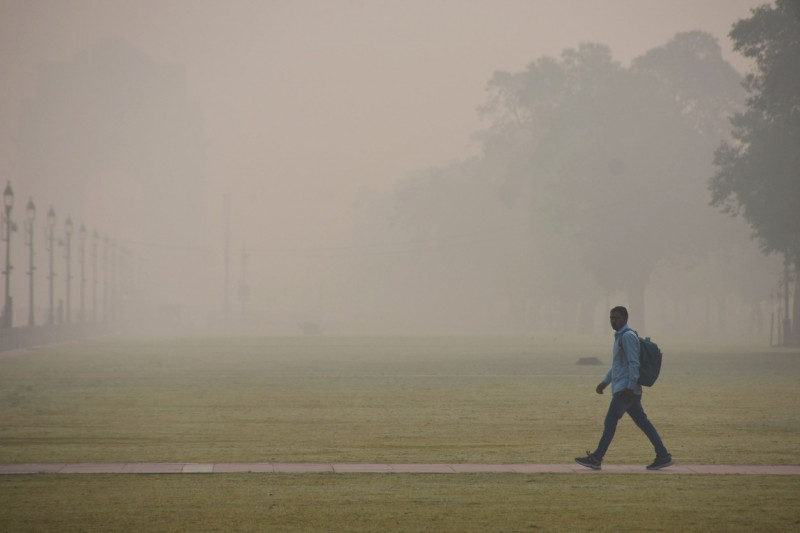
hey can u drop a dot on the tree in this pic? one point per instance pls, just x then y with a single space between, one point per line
592 177
758 171
616 152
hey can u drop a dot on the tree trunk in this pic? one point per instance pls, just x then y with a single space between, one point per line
756 323
794 337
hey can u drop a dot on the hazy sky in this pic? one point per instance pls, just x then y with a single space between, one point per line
304 102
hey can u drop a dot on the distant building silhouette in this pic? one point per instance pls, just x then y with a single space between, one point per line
111 137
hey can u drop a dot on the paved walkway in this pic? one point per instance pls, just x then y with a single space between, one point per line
417 468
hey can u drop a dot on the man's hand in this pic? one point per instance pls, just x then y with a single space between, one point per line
628 395
601 387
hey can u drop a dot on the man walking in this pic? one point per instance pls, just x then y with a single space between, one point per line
626 395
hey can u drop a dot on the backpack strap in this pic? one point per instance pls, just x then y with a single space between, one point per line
620 337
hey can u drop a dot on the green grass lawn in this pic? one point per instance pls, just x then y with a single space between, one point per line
398 502
430 400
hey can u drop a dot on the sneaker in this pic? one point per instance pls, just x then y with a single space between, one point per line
660 462
590 461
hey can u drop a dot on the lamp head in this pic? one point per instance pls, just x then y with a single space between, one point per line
30 210
8 197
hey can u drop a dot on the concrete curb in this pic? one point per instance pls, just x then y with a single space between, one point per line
377 468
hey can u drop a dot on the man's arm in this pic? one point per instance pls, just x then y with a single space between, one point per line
603 384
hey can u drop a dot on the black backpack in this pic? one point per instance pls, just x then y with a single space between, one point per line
649 360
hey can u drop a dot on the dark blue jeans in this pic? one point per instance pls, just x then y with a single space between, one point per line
616 409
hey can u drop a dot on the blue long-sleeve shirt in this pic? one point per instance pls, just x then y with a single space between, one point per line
624 373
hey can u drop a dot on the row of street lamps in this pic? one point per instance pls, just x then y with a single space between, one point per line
50 240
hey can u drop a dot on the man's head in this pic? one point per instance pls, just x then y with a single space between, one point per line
619 317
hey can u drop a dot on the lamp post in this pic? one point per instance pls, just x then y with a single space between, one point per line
30 214
787 322
105 279
95 238
8 201
244 290
50 234
68 257
82 236
114 281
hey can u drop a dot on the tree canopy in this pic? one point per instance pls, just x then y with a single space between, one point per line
758 171
615 158
591 183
